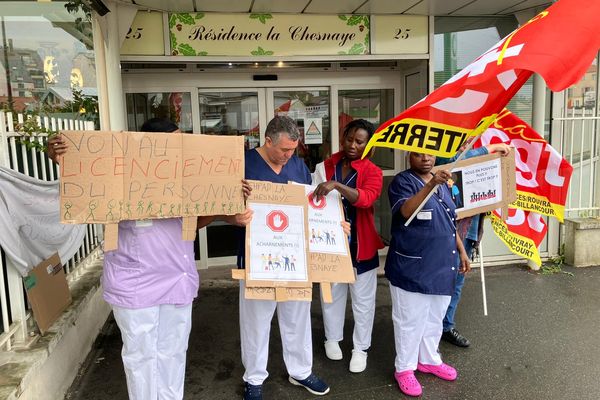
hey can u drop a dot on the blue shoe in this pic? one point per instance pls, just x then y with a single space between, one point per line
252 392
313 384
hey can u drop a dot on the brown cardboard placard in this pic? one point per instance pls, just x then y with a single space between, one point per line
281 231
238 273
189 228
279 294
111 237
47 291
109 176
326 292
505 177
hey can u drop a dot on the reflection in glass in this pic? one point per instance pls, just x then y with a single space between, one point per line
310 110
230 113
175 106
374 105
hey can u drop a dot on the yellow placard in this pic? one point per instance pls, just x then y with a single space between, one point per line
400 34
212 34
145 36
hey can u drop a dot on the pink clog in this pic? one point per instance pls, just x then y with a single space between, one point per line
443 371
408 384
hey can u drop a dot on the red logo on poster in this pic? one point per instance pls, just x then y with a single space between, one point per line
278 221
316 204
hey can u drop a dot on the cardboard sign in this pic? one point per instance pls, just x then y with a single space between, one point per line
107 176
329 250
276 247
482 184
47 291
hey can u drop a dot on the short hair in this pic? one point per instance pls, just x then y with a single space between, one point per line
359 124
159 125
282 124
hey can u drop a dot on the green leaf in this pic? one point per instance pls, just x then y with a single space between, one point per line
367 22
199 16
186 19
268 53
172 20
202 53
357 48
173 41
367 43
342 17
186 50
354 20
254 16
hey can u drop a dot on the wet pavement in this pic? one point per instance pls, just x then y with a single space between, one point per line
540 341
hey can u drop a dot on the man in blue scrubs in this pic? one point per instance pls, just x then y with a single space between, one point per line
276 162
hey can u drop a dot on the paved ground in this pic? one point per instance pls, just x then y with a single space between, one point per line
540 341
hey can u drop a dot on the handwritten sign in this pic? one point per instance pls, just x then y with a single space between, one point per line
400 34
107 177
212 34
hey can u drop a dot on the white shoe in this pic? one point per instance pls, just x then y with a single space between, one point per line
358 363
332 350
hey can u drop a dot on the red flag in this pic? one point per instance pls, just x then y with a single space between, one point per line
542 174
559 44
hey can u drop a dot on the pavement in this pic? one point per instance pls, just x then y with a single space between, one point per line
539 341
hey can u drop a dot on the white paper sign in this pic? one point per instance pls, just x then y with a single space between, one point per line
313 130
476 185
325 233
277 241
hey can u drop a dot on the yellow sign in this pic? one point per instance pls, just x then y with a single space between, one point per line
199 34
520 245
400 34
145 37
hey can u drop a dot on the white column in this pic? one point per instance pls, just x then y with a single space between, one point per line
116 103
100 59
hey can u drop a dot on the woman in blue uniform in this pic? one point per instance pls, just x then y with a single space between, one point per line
421 266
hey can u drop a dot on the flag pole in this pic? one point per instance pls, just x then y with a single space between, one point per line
483 291
452 166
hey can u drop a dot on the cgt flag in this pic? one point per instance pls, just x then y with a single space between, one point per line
559 44
542 174
522 232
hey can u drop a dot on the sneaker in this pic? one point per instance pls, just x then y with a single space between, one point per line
408 384
454 337
358 362
313 384
443 371
252 392
332 350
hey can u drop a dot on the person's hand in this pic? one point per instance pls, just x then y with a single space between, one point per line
57 147
346 227
501 148
324 188
441 176
241 219
246 188
465 263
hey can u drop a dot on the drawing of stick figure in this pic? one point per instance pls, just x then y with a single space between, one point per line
270 262
92 206
293 264
110 205
171 212
128 210
149 208
140 207
67 214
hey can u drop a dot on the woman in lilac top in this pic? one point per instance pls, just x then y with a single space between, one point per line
150 282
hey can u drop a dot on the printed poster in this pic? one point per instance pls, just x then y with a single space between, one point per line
325 233
313 130
477 185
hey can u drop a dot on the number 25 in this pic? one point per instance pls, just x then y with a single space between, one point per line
134 35
402 33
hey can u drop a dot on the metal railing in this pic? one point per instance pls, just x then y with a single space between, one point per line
15 154
580 145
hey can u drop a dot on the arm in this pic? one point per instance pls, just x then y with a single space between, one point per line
465 263
324 188
411 204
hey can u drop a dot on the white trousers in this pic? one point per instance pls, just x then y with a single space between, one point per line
155 341
255 328
417 327
362 293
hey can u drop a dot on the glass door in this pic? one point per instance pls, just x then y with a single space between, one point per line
310 108
228 112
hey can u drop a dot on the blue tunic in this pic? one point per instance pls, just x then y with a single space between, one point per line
422 256
256 168
350 211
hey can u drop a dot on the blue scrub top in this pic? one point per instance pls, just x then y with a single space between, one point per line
350 211
256 168
422 256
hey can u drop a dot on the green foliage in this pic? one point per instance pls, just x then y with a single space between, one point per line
343 17
186 50
555 264
357 48
261 52
355 20
186 19
83 25
261 17
30 130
